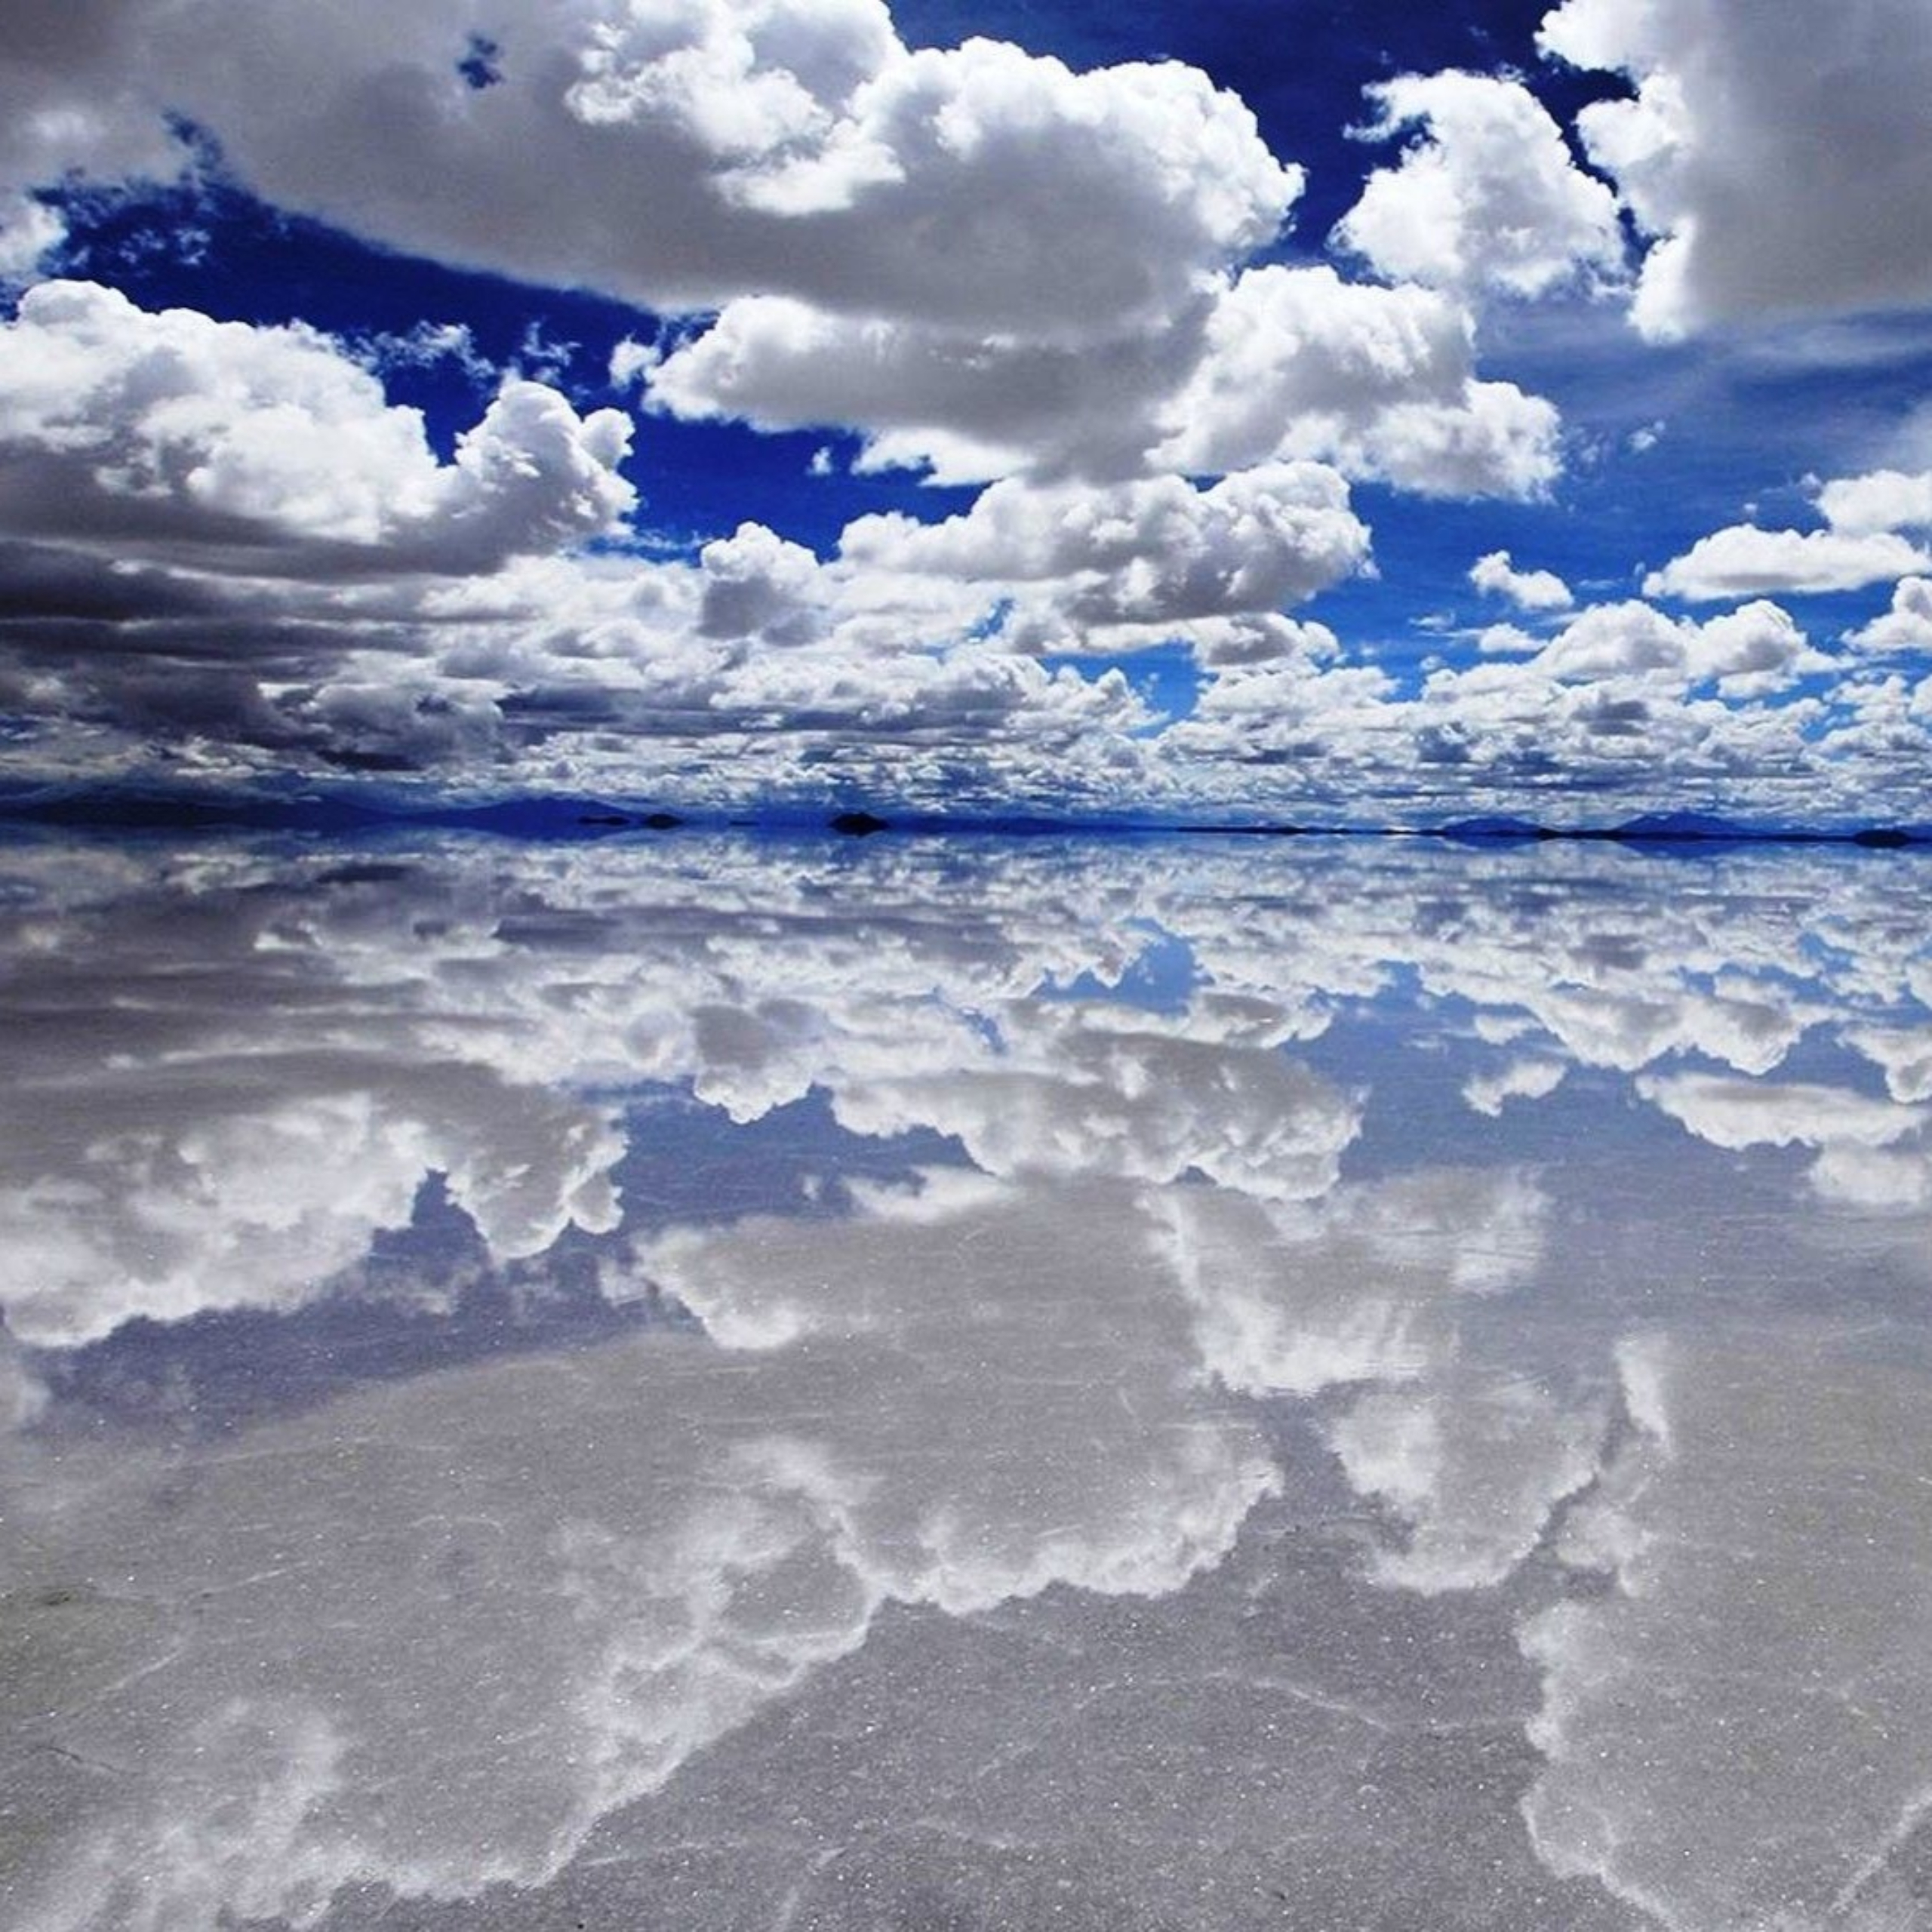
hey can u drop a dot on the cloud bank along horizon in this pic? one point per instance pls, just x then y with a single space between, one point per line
729 400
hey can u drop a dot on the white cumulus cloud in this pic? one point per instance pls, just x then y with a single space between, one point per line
1487 197
1779 169
682 154
182 439
1529 590
1880 501
1907 626
1379 381
1151 553
1743 560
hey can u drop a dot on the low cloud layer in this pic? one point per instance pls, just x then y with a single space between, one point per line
229 534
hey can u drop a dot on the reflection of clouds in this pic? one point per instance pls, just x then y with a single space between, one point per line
1040 1353
1081 1091
1904 1053
1873 1177
480 1611
1475 1465
491 1605
1520 1080
1736 1735
1738 1114
204 1112
235 1834
1858 1164
226 1078
22 1396
1360 1287
1751 1030
1370 1286
183 1198
1617 959
230 1068
757 972
954 1396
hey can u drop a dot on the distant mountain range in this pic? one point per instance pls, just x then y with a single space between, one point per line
134 809
1686 828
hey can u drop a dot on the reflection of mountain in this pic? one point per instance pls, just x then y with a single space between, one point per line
1040 1212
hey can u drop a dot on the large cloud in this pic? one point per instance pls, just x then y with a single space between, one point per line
1489 197
1777 176
681 156
1155 553
1861 544
193 511
1880 500
1744 560
1621 695
980 258
198 509
965 406
1754 649
73 97
1380 382
224 551
1281 363
226 535
267 452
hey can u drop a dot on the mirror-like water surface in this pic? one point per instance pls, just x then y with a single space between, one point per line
705 1383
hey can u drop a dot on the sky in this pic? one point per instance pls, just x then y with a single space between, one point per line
1361 414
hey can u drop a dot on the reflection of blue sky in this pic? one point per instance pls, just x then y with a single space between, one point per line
1159 979
518 1336
688 1165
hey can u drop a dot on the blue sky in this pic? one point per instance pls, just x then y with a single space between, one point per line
1368 414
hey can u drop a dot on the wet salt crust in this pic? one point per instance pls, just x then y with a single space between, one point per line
721 1382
